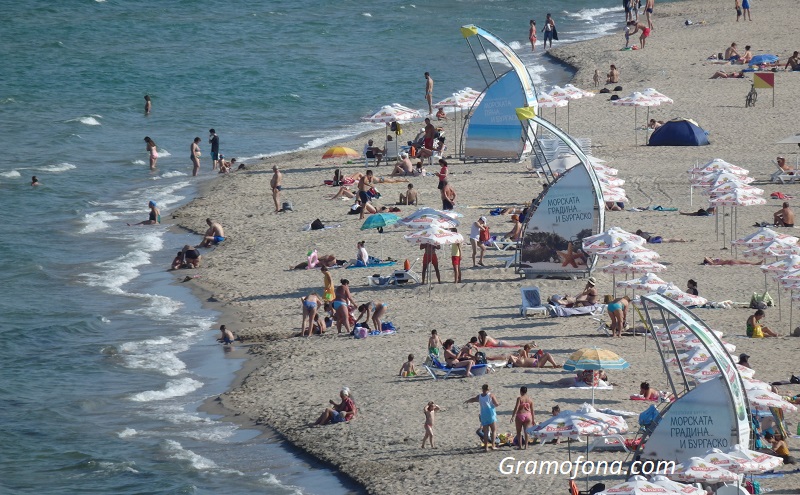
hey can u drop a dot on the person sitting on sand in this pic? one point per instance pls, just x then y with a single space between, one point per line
485 340
655 124
343 192
613 206
177 262
732 53
408 370
721 74
539 359
214 234
451 358
779 447
613 75
784 217
191 257
702 212
155 215
748 55
440 115
375 308
721 262
793 62
754 328
339 413
469 351
648 393
657 239
403 166
691 288
226 336
411 196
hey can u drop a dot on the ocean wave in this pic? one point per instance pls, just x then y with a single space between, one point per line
163 153
6 101
88 120
138 162
61 167
592 14
10 174
218 433
366 14
151 355
158 307
117 467
117 272
196 461
127 433
269 479
173 388
174 173
96 221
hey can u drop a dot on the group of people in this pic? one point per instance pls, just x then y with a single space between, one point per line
337 306
549 30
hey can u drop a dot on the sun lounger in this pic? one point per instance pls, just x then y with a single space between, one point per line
532 302
434 366
782 176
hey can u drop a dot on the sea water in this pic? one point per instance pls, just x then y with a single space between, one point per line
105 355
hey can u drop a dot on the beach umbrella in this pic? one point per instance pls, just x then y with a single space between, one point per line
681 488
696 469
789 263
766 58
733 464
610 238
691 342
585 421
683 298
648 282
763 400
593 358
340 152
614 194
547 101
566 94
652 93
745 372
445 217
714 179
604 169
461 100
637 100
694 357
718 165
628 249
775 248
392 113
379 221
637 485
574 89
609 180
752 383
425 222
766 462
633 265
763 236
729 187
737 197
435 236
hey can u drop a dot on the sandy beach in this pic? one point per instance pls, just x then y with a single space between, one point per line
289 380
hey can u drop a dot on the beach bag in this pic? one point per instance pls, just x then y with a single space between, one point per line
649 416
287 206
761 301
757 333
317 225
484 235
360 332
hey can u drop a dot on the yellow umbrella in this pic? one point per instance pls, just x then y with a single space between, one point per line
341 152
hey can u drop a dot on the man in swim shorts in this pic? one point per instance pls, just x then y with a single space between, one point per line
214 234
430 257
275 184
227 336
429 92
364 185
784 217
638 26
430 134
648 8
214 140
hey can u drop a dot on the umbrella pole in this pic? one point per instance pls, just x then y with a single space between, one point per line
567 116
614 283
635 125
716 223
780 310
634 311
646 127
723 229
791 308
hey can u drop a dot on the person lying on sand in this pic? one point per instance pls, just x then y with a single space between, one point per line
657 239
721 262
344 192
539 359
721 74
486 340
328 260
707 212
588 297
581 379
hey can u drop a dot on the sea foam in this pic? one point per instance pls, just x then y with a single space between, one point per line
196 461
173 388
60 167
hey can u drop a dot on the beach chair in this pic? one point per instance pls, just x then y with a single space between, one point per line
434 366
405 276
503 245
532 302
780 175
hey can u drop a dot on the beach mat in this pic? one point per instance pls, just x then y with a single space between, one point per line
374 265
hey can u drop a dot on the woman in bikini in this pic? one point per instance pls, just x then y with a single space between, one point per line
523 359
451 358
618 311
154 218
523 417
485 340
532 35
377 309
194 155
310 304
340 305
151 148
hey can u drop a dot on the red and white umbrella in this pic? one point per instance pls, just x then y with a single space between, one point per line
611 193
573 88
737 197
714 179
637 100
392 113
718 165
628 249
786 264
633 265
683 298
732 463
547 101
584 421
648 282
612 237
637 485
728 187
674 486
692 342
655 95
763 400
565 93
429 213
765 462
609 180
753 384
745 372
765 235
604 169
425 222
694 357
696 469
776 248
435 236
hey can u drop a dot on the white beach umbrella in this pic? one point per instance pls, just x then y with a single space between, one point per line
775 248
714 179
610 238
583 92
547 101
609 180
613 194
568 94
637 100
694 357
429 213
435 236
676 294
764 235
753 384
732 463
392 113
648 282
425 222
604 169
696 469
737 197
637 485
676 487
633 265
766 462
652 93
585 421
729 187
692 342
763 400
628 249
718 165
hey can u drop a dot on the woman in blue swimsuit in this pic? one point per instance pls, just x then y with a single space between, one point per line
340 305
618 310
310 304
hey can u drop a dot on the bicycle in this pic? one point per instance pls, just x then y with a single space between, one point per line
752 96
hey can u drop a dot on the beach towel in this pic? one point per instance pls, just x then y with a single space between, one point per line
372 265
563 311
589 387
502 346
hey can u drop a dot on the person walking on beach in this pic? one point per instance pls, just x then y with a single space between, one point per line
475 239
148 105
738 10
549 31
275 184
488 416
364 185
532 35
214 234
455 257
429 410
429 92
746 10
214 140
151 148
648 9
194 153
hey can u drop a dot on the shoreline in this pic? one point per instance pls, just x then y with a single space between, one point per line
240 400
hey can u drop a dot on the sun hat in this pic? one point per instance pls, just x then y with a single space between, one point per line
744 357
592 281
482 219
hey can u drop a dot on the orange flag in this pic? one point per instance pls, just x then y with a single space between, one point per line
764 80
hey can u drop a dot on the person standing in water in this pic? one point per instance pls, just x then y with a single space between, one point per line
429 92
213 139
148 105
151 148
532 35
548 30
194 153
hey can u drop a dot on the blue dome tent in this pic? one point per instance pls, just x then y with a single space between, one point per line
679 132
